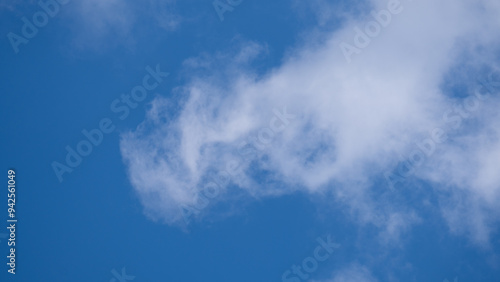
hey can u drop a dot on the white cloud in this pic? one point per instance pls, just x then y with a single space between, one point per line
165 15
95 22
98 24
352 273
352 121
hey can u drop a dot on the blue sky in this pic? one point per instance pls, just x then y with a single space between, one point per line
325 141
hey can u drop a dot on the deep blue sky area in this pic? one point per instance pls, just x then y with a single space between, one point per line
95 223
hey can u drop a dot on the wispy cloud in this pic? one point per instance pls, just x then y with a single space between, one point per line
100 24
354 121
352 273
